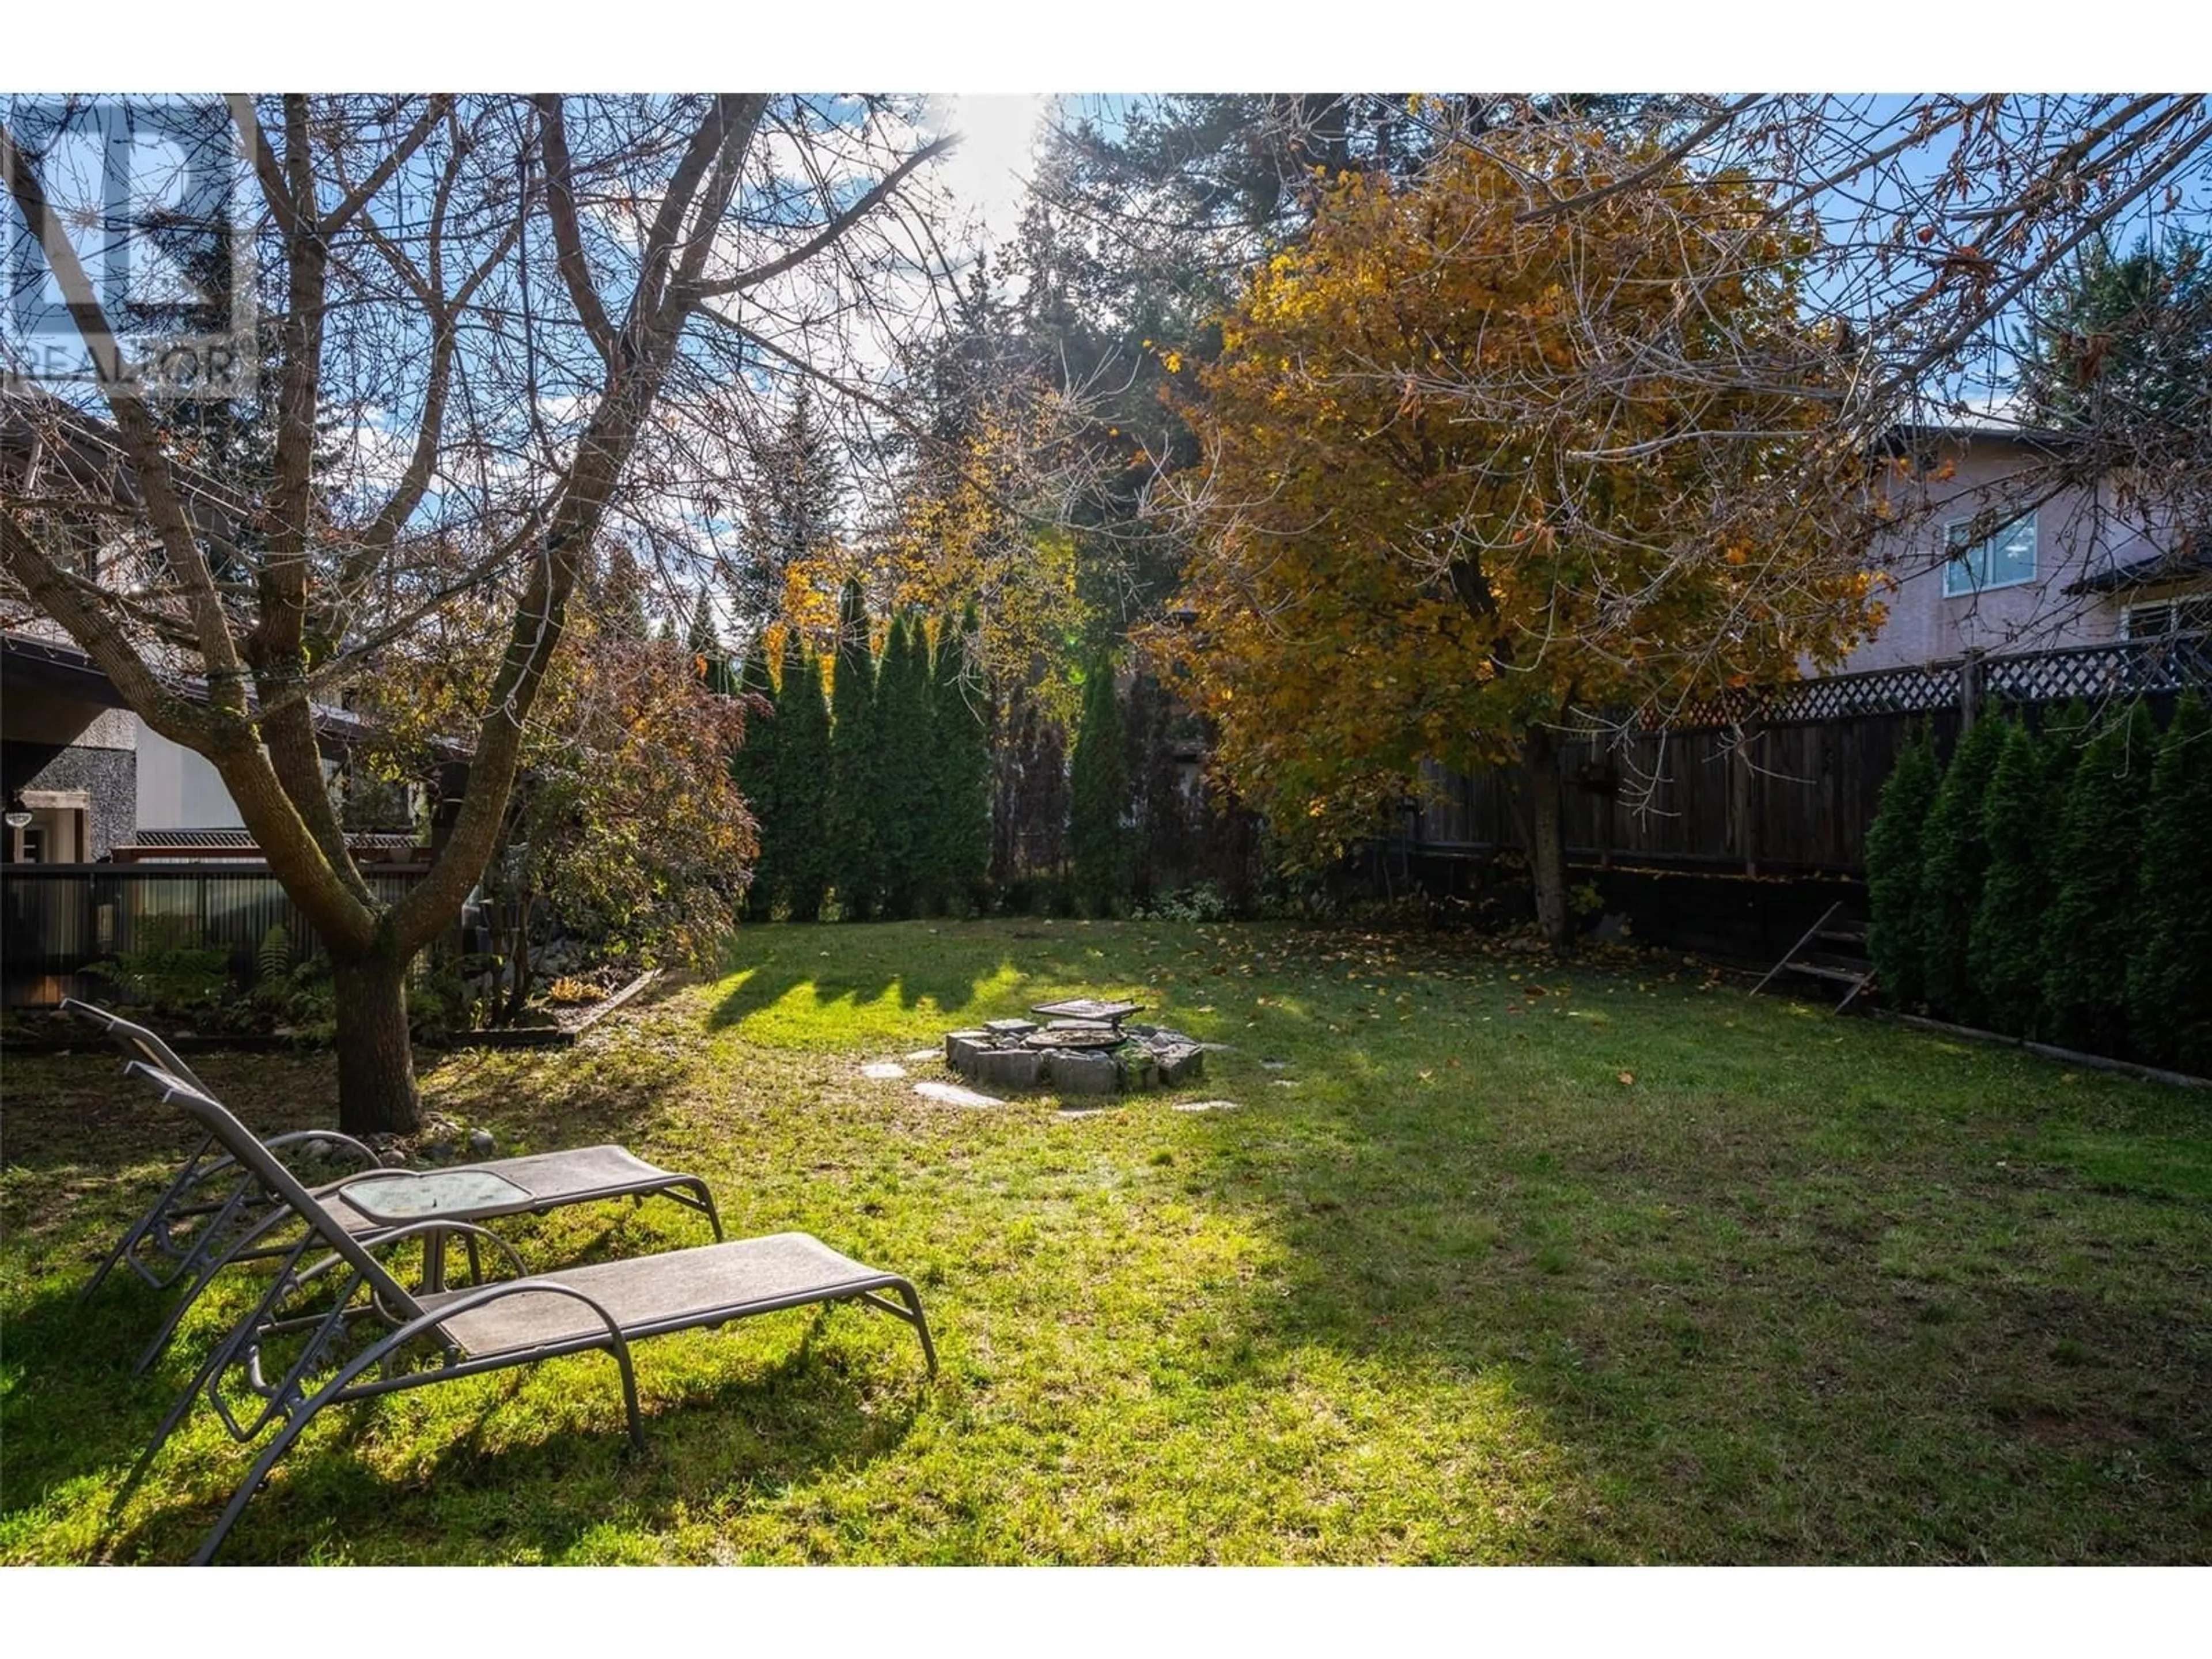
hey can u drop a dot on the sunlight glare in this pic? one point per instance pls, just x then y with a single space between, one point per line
988 173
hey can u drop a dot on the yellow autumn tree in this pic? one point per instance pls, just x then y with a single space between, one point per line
969 532
1543 437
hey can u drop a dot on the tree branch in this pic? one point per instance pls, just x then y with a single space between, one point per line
568 238
831 232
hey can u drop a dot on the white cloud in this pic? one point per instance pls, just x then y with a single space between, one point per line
988 175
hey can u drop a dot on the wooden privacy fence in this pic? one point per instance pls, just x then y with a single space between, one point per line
1784 782
57 920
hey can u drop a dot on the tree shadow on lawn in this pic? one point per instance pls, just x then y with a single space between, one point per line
948 982
948 965
72 1406
491 1481
57 1105
1707 1307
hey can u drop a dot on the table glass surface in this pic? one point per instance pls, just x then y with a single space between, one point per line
437 1191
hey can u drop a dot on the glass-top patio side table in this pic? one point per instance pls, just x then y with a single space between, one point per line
400 1197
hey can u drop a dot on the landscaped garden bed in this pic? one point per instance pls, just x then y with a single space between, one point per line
1472 1258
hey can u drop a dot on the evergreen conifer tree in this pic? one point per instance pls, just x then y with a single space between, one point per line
960 747
702 638
2065 733
903 734
2089 930
802 794
2170 973
1098 788
1892 866
754 769
620 602
1953 856
2005 950
793 504
856 757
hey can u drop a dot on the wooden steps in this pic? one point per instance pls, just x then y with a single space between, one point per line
1834 949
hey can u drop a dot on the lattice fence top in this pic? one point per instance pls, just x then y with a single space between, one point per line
2094 673
2099 673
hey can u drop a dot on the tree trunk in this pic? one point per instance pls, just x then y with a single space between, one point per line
376 1063
1547 834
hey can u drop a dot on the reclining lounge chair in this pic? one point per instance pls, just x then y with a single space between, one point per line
199 1235
601 1307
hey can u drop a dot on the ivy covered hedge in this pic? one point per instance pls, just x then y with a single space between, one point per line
2054 882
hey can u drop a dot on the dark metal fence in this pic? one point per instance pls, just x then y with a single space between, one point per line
57 920
1786 782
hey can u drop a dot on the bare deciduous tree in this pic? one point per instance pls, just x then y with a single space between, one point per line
500 330
1937 229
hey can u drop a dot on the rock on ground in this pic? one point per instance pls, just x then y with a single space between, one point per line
951 1094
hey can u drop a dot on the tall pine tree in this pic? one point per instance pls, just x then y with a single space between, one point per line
1892 867
2170 974
959 846
855 759
1953 857
903 736
1098 786
701 637
802 794
795 497
754 767
2004 952
2089 930
620 602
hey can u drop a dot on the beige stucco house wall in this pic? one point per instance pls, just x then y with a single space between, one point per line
1939 609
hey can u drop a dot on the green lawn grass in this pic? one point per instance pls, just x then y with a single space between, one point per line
1492 1261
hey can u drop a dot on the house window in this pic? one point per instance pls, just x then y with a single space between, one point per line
2191 614
2004 560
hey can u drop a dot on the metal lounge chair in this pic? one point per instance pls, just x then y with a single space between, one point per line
165 1244
215 1212
601 1307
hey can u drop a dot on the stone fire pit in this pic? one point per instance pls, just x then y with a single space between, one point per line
1085 1047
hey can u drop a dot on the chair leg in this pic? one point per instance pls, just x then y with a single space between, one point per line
170 1424
218 1357
175 1317
636 1418
707 1204
259 1472
115 1258
200 1265
911 1312
180 1184
909 1294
